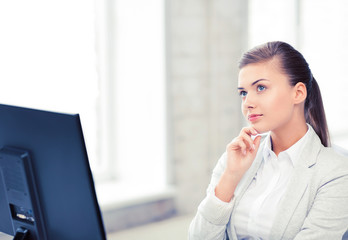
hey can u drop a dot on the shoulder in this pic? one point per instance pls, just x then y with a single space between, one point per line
331 164
331 158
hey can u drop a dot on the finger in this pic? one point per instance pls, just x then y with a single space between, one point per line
243 147
256 143
249 130
237 145
247 140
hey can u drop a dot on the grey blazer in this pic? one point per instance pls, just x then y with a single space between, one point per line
314 206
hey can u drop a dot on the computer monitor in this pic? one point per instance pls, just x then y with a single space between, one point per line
46 185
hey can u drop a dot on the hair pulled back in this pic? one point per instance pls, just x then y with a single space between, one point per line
295 66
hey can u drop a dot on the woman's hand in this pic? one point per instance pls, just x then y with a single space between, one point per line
241 153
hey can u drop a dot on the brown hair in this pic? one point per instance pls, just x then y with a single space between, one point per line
295 66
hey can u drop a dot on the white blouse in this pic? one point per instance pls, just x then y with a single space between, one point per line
256 210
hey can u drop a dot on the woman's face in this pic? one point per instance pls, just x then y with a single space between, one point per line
267 96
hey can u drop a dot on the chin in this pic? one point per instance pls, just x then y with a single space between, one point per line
261 129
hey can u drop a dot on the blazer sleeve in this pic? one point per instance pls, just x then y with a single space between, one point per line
328 216
213 214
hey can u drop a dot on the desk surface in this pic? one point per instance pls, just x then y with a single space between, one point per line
172 229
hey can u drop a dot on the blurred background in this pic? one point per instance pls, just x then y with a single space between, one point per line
155 83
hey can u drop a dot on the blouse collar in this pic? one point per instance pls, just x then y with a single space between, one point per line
293 152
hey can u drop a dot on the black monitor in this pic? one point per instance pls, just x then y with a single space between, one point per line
46 185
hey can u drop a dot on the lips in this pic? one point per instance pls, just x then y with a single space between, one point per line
254 117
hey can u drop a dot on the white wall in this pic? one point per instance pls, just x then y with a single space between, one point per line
204 42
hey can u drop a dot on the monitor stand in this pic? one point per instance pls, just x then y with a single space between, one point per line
21 234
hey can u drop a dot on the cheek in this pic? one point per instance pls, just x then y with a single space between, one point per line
280 106
283 101
244 109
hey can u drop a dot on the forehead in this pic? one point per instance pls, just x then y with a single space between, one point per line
269 70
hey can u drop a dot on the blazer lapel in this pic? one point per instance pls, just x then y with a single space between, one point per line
292 197
297 186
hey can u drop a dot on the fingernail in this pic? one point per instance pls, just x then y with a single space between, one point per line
244 152
254 147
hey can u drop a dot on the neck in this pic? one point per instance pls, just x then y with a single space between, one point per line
287 136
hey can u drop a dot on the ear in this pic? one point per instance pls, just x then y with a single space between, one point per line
300 92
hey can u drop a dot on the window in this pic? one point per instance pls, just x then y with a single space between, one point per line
102 59
272 20
132 79
324 37
47 58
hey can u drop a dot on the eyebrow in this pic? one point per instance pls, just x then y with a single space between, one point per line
259 80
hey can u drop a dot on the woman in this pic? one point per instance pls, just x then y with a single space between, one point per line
286 183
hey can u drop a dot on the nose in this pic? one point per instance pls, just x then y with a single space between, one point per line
249 102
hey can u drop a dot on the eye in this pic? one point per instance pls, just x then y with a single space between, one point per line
260 88
242 93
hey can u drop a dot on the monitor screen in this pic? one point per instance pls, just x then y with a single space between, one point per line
46 185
